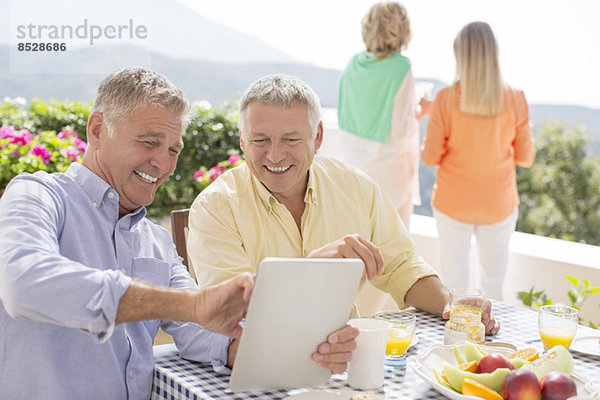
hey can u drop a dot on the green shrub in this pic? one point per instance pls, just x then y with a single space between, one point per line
559 193
41 116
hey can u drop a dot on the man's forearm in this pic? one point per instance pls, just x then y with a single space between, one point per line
428 294
144 301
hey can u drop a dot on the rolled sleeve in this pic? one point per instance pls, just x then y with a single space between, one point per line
105 303
402 266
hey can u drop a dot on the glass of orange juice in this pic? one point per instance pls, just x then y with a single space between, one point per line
400 335
557 324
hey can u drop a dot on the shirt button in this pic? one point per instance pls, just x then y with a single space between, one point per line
123 270
111 195
95 204
131 374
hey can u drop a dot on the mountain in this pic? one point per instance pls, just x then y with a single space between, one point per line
199 79
173 29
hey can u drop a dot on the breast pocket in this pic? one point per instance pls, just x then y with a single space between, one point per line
152 270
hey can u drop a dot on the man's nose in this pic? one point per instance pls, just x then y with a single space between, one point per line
161 161
275 153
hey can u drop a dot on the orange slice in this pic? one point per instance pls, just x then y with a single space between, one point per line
528 354
474 388
470 366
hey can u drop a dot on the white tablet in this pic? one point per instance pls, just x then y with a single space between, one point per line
295 304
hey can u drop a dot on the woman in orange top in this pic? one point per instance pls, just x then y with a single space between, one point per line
478 130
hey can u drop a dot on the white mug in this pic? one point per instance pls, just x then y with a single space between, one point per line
366 369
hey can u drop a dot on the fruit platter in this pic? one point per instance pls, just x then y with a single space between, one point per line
474 372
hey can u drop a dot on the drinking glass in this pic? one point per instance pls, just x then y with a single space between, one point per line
557 324
423 89
400 335
472 298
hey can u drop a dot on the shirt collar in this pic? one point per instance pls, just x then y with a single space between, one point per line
267 198
99 192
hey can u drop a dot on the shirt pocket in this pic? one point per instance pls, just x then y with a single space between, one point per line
152 270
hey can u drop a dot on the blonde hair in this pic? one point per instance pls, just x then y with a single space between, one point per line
386 29
477 70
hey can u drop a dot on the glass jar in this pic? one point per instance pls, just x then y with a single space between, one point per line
464 324
466 307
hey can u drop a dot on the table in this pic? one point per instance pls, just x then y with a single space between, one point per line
176 378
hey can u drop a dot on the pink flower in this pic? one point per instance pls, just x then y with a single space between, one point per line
7 132
233 159
66 134
198 174
16 153
81 145
42 152
71 153
22 137
215 172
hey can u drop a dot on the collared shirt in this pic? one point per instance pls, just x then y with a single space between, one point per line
236 222
66 260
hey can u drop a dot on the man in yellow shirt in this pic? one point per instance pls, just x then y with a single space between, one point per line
285 202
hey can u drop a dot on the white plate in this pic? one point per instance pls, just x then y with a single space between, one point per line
325 395
435 356
586 344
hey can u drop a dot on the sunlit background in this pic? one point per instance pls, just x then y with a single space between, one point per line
549 48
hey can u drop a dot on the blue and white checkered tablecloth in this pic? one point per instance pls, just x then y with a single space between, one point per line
176 378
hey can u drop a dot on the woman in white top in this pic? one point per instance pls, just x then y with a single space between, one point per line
377 108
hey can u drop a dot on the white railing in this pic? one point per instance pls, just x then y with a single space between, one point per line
534 260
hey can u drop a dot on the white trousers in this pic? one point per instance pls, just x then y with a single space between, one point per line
492 245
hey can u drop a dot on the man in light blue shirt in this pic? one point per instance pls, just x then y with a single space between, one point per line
86 279
78 258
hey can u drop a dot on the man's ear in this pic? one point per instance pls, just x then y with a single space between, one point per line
242 144
319 136
95 125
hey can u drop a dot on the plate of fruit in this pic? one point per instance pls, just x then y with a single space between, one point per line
471 371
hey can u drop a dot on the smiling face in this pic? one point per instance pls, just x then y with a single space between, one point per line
279 147
138 157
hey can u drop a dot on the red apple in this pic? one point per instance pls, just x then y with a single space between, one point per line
490 362
557 386
521 384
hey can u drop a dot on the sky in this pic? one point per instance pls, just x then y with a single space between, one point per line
548 48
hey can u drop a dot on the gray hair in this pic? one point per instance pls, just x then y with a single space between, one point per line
125 90
283 90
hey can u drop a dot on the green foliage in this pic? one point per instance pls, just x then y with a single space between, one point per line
60 115
581 291
211 137
41 116
534 299
560 195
